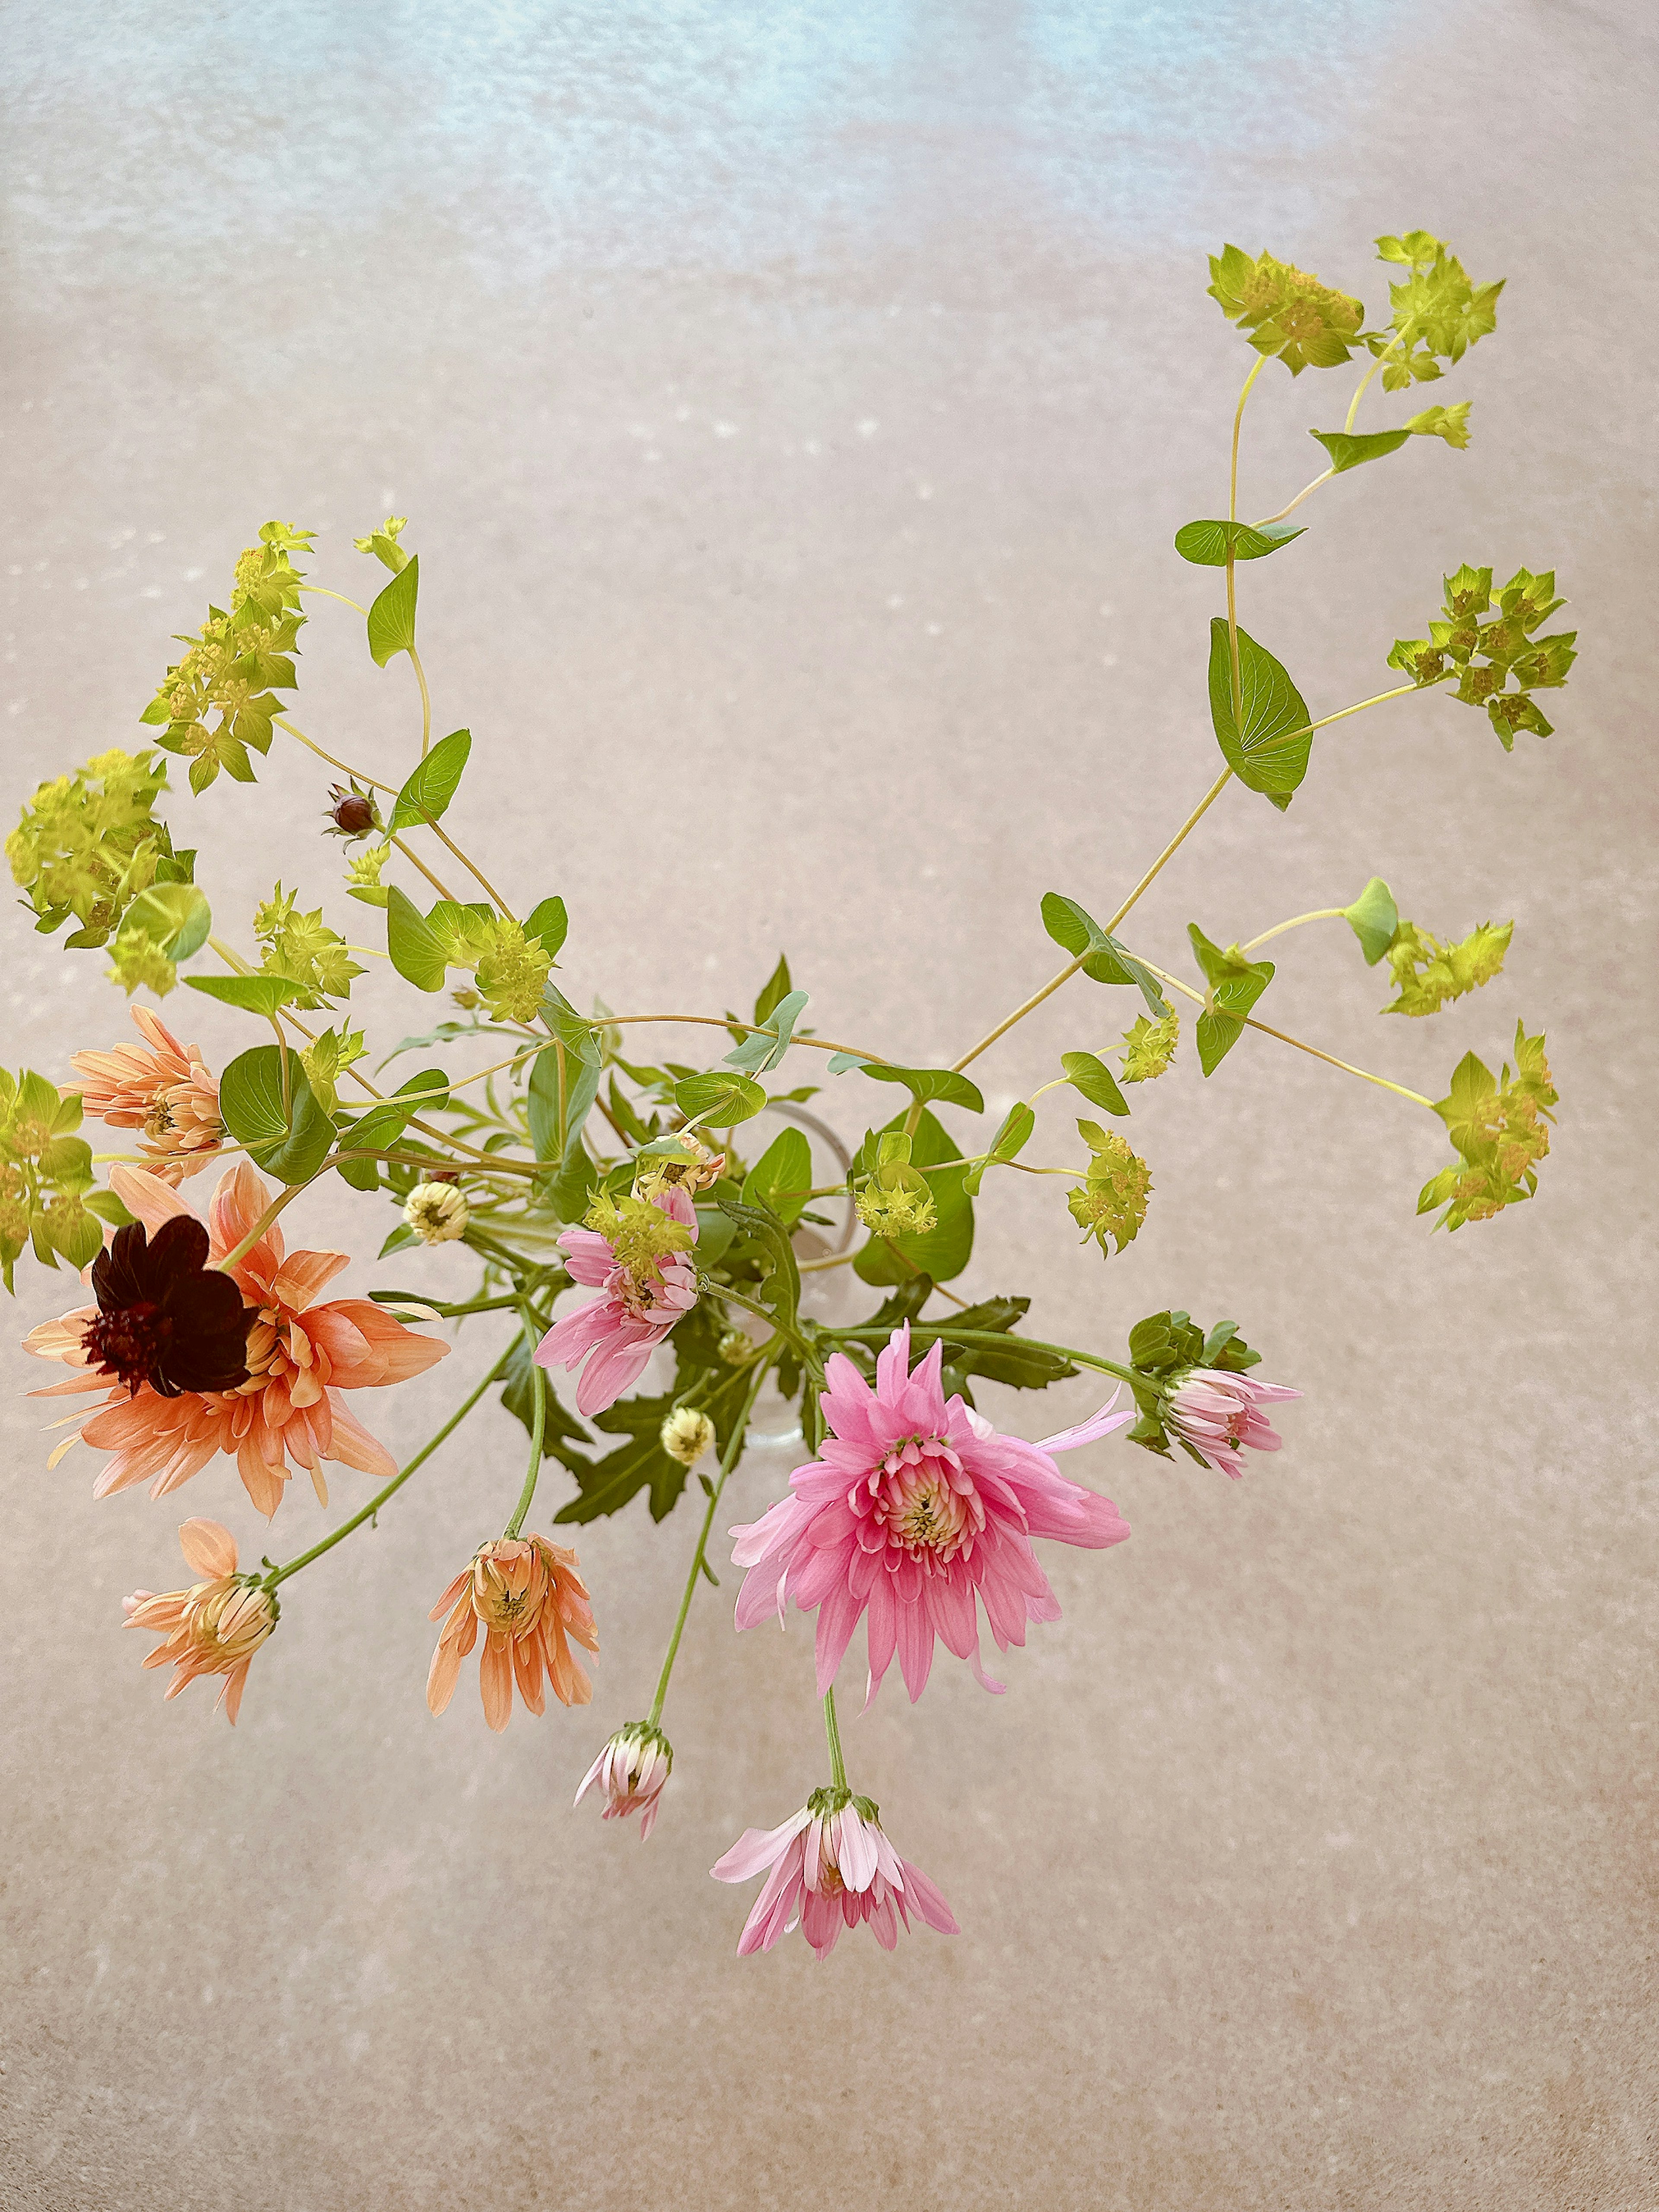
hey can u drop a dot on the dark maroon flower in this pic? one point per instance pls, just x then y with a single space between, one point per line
164 1317
351 813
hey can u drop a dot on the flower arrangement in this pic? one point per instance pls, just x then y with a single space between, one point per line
573 1163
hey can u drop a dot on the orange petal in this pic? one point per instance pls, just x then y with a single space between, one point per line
303 1274
495 1683
146 1195
210 1548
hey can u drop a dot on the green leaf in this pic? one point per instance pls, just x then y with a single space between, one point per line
642 1461
775 989
551 1131
927 1085
574 1034
76 1234
175 916
780 1285
1373 918
1009 1141
1271 753
561 1432
1235 984
416 951
384 1122
291 1144
1206 543
391 617
719 1098
782 1176
254 995
1104 960
760 1053
106 1204
1091 1076
1348 450
429 790
549 925
944 1250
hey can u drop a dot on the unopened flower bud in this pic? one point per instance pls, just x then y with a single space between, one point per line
436 1212
737 1348
352 812
686 1435
630 1772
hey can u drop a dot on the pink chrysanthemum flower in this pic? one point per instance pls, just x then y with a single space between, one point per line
637 1251
163 1088
1215 1412
832 1867
531 1602
299 1358
629 1773
216 1626
918 1511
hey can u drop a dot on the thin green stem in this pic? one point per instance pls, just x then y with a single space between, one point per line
367 1512
749 1028
1324 476
415 861
426 703
729 1459
1232 516
724 1290
322 592
537 1431
925 1331
284 1197
472 869
1239 418
832 1732
311 745
1319 913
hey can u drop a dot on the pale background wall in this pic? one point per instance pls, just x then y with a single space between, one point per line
794 406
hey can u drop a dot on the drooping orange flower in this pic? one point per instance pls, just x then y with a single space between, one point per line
216 1626
300 1356
531 1601
165 1089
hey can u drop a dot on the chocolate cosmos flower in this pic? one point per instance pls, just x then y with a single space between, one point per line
164 1317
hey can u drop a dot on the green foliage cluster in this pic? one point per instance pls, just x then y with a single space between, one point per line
1428 975
1497 1125
1488 657
46 1194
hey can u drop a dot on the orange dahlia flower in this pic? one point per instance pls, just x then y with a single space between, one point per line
161 1087
216 1626
531 1601
301 1356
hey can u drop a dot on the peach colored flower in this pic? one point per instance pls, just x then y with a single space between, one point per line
301 1356
531 1601
215 1626
165 1089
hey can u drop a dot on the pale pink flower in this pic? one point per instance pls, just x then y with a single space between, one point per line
646 1292
216 1626
1214 1413
163 1088
918 1511
531 1603
629 1773
832 1867
301 1356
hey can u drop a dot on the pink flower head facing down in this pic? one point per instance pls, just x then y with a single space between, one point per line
917 1514
629 1774
1215 1412
648 1286
832 1868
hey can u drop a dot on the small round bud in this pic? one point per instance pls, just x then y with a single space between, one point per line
686 1435
436 1212
737 1348
351 813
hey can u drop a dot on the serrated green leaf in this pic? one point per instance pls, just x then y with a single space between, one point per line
254 995
781 1177
416 951
1373 918
1104 960
1091 1076
291 1143
719 1099
434 782
175 916
1205 542
1348 450
392 616
930 1085
1270 754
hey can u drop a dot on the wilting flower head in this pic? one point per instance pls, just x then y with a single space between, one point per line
216 1626
1213 1413
637 1251
300 1356
161 1087
832 1867
436 1212
530 1602
918 1512
686 1435
164 1318
695 1170
631 1771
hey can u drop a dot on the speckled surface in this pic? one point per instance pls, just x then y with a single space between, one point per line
793 407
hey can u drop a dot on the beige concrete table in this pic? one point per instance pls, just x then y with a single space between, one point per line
794 408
